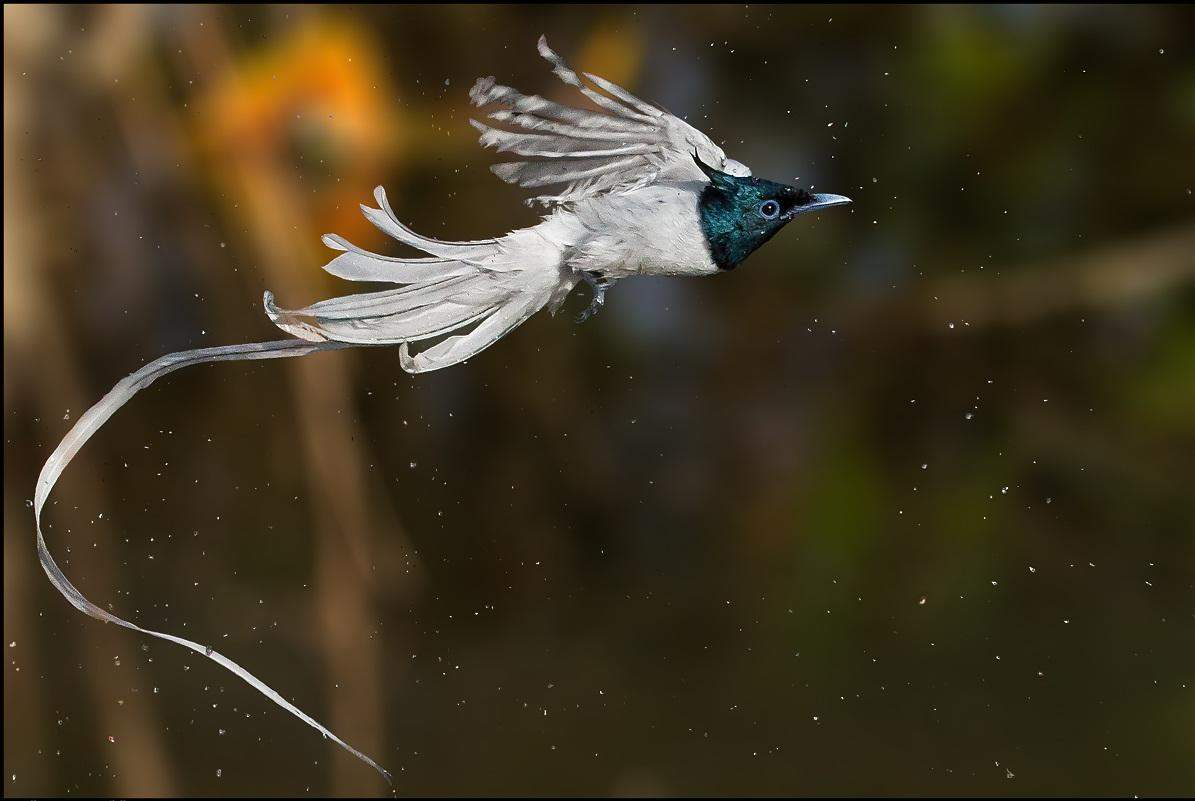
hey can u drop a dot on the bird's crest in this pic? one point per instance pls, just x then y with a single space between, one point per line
721 180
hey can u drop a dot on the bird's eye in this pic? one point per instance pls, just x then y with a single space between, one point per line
769 209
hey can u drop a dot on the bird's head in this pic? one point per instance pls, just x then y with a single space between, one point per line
738 214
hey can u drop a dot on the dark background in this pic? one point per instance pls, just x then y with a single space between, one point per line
903 505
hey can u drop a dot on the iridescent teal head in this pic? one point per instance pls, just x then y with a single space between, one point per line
738 214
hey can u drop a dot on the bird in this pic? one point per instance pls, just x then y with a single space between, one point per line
637 191
640 193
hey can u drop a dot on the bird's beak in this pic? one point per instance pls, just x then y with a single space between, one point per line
820 202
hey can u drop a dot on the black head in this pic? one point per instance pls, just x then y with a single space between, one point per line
738 214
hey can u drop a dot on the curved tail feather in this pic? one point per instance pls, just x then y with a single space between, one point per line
89 423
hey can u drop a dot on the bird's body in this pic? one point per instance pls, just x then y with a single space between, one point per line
650 230
640 192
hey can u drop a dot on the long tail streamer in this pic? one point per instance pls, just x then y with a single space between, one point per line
91 422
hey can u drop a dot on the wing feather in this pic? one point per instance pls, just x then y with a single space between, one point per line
552 147
627 143
566 74
532 123
546 173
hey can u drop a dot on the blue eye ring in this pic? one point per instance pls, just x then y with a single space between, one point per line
769 209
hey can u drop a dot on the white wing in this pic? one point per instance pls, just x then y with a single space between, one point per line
628 143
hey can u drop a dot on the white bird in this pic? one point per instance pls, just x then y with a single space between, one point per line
639 192
644 193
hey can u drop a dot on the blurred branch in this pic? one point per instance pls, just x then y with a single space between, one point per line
1114 276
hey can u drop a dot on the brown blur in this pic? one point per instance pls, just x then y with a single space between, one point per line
903 505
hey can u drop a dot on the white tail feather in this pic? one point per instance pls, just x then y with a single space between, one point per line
456 349
477 292
89 423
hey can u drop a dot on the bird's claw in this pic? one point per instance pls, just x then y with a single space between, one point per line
599 297
594 305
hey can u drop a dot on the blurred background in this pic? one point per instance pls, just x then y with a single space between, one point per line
902 505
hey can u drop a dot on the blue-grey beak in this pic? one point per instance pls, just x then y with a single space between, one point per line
820 202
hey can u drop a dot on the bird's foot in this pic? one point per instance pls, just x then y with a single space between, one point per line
598 286
598 301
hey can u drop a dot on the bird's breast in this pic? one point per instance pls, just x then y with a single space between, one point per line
655 230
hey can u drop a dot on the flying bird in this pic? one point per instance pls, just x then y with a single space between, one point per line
637 191
642 192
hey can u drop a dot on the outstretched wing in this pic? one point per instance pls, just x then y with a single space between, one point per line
627 143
